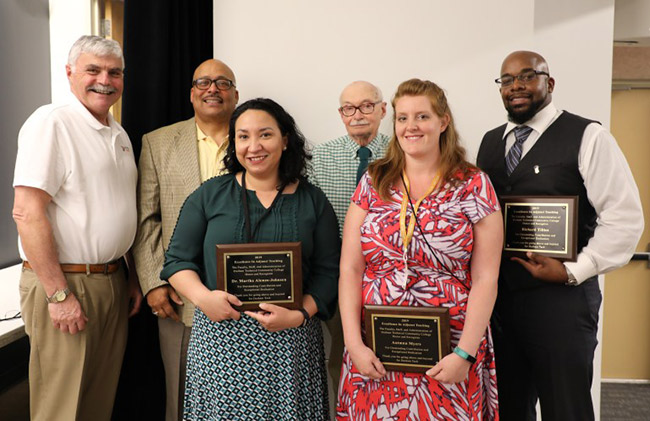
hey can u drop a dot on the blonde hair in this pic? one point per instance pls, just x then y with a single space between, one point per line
387 171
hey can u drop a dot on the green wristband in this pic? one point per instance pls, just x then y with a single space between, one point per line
464 355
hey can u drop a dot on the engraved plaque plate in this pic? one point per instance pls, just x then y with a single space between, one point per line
541 224
261 273
410 339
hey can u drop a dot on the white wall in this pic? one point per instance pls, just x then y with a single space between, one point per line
302 53
69 19
576 38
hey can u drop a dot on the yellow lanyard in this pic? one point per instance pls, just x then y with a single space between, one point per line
407 233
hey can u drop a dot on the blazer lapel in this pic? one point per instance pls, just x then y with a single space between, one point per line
187 154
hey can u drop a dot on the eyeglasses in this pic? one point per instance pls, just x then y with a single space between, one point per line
11 315
523 77
365 108
205 83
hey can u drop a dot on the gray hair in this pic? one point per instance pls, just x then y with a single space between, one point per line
98 46
378 93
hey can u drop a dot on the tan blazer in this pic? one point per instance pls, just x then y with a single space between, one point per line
168 173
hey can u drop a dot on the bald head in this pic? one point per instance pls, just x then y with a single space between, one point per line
531 88
214 65
362 128
363 88
213 105
535 60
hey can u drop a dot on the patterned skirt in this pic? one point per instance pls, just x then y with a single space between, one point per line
416 397
237 370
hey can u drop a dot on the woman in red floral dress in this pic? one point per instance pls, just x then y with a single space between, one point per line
424 229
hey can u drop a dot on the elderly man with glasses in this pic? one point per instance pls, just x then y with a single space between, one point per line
338 165
174 161
546 316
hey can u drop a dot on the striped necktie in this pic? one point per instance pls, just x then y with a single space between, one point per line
363 153
514 154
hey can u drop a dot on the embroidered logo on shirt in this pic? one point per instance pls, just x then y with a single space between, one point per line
125 148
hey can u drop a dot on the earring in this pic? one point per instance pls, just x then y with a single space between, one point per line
284 149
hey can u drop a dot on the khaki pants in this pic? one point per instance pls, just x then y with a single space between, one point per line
74 377
174 338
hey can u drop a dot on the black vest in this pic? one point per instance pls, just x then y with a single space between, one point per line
550 168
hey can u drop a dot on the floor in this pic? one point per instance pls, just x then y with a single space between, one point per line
624 402
619 402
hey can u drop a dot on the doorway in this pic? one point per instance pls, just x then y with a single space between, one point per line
626 320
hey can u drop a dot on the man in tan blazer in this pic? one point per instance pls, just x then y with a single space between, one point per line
174 161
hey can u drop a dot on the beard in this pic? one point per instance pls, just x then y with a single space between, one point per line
520 117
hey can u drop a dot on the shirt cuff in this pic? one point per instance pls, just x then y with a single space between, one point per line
582 269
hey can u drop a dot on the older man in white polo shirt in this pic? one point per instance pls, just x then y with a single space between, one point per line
74 206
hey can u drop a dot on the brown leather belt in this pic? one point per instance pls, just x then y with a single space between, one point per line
106 268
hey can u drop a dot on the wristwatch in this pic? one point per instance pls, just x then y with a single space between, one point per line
305 316
571 279
58 296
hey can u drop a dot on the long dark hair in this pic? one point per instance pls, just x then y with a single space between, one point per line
293 162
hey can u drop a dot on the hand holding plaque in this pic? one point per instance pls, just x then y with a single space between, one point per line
261 273
410 339
545 225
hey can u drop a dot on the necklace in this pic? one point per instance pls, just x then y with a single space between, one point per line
407 232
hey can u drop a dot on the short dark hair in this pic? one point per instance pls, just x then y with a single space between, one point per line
293 163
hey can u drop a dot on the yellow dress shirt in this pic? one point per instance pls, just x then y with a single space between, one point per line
210 155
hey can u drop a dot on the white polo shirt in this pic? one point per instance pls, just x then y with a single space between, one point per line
89 170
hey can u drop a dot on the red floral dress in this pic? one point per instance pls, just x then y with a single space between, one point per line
446 217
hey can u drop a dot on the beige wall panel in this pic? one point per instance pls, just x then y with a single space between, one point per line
626 328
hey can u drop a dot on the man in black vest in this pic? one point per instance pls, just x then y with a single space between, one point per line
546 316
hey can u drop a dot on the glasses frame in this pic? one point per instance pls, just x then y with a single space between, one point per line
374 104
216 83
520 77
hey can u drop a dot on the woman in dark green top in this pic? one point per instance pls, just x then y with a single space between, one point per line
270 364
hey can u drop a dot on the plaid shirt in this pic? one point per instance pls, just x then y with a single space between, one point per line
334 169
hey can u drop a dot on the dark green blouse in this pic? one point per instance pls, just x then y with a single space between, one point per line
213 214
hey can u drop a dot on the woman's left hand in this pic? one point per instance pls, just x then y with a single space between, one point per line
275 318
451 369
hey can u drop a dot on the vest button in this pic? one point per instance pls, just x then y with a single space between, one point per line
508 188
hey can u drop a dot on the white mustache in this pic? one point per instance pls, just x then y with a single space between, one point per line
358 122
102 89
